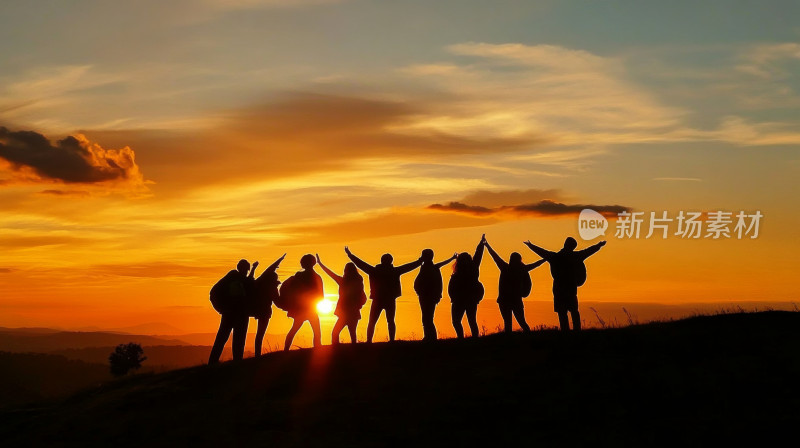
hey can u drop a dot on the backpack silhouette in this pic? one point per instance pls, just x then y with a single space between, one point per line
287 294
580 273
226 292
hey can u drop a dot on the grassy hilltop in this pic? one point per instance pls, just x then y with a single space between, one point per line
699 381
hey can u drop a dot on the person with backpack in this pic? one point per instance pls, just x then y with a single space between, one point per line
466 290
265 292
428 286
303 290
351 299
514 285
384 289
230 296
569 272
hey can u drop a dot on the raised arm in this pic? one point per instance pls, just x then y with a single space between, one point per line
361 264
479 251
544 253
440 264
337 278
408 267
591 250
501 264
275 265
253 271
534 265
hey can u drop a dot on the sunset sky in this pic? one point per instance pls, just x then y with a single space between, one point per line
147 146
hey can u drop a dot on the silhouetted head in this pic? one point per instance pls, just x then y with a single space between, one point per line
386 259
308 261
243 266
463 261
515 258
350 270
570 244
427 255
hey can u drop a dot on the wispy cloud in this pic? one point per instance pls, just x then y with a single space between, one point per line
767 61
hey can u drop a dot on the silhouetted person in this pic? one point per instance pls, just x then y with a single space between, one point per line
351 299
466 290
236 289
265 292
384 289
306 292
428 286
569 272
514 285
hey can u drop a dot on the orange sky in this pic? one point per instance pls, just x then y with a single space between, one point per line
135 173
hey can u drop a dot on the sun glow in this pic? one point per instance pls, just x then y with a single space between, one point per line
325 306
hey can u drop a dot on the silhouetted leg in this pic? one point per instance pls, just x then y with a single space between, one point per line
457 313
506 313
314 321
390 311
428 327
563 320
224 332
374 314
337 330
472 319
240 336
261 330
576 320
351 327
519 314
292 331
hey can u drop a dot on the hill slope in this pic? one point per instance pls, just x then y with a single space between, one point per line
700 381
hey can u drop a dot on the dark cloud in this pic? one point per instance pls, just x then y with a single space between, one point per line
71 160
543 208
487 198
551 208
6 270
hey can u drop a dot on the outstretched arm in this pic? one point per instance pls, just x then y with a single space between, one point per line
534 265
445 262
501 264
337 278
361 264
408 267
275 265
544 253
591 250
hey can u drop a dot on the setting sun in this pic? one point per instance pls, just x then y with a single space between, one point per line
326 306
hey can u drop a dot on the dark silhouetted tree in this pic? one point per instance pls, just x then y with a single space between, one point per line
126 357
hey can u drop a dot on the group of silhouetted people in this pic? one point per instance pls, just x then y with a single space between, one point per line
239 295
